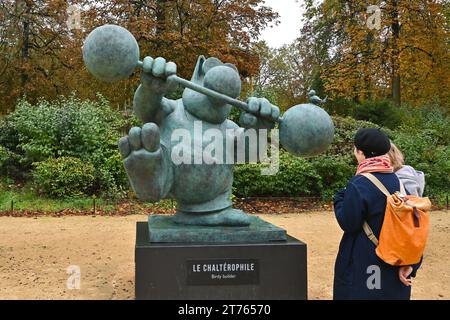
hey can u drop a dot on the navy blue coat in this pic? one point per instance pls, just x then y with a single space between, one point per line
361 201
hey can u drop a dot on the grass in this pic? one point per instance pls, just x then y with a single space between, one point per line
25 199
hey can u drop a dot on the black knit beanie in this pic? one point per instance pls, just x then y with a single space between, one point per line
372 142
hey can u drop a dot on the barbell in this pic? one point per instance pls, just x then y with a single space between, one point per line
111 53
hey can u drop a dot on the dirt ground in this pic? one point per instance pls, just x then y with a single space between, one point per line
36 252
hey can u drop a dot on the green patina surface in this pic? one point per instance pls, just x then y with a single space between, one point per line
202 182
163 229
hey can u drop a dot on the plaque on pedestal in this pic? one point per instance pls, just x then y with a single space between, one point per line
270 270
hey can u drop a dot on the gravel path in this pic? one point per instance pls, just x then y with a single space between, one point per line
36 252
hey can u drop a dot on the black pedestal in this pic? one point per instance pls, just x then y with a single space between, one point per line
247 271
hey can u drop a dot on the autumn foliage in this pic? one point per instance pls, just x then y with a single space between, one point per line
397 49
41 54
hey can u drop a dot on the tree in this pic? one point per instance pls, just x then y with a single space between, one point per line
406 58
286 74
34 49
43 55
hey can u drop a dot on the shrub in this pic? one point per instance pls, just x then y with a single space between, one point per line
9 164
326 174
432 119
346 129
112 177
437 174
423 152
382 113
296 177
334 173
64 177
318 176
424 139
4 158
66 127
340 107
73 144
11 157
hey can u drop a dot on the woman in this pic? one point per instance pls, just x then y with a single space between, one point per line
359 273
413 180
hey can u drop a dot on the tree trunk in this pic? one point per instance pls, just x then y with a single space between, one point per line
367 67
396 77
160 17
25 46
161 9
396 91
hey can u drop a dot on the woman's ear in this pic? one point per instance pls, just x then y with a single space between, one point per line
359 155
198 75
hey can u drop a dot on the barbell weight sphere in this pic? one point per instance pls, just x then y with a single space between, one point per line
306 130
111 53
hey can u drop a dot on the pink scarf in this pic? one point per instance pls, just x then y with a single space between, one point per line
377 164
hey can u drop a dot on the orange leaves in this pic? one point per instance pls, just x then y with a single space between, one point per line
178 30
410 45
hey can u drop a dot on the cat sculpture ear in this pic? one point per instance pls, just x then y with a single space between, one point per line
214 62
204 65
211 63
198 75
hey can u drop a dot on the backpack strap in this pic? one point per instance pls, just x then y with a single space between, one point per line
385 191
370 234
377 183
368 231
381 186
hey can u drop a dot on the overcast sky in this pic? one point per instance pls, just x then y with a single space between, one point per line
288 30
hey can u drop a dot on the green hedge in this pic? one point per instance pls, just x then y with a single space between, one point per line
296 176
52 134
64 177
319 176
425 146
67 127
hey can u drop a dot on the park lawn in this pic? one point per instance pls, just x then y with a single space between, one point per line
24 199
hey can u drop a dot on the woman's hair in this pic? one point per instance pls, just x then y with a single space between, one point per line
396 156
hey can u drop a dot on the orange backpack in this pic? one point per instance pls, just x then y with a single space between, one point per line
405 227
